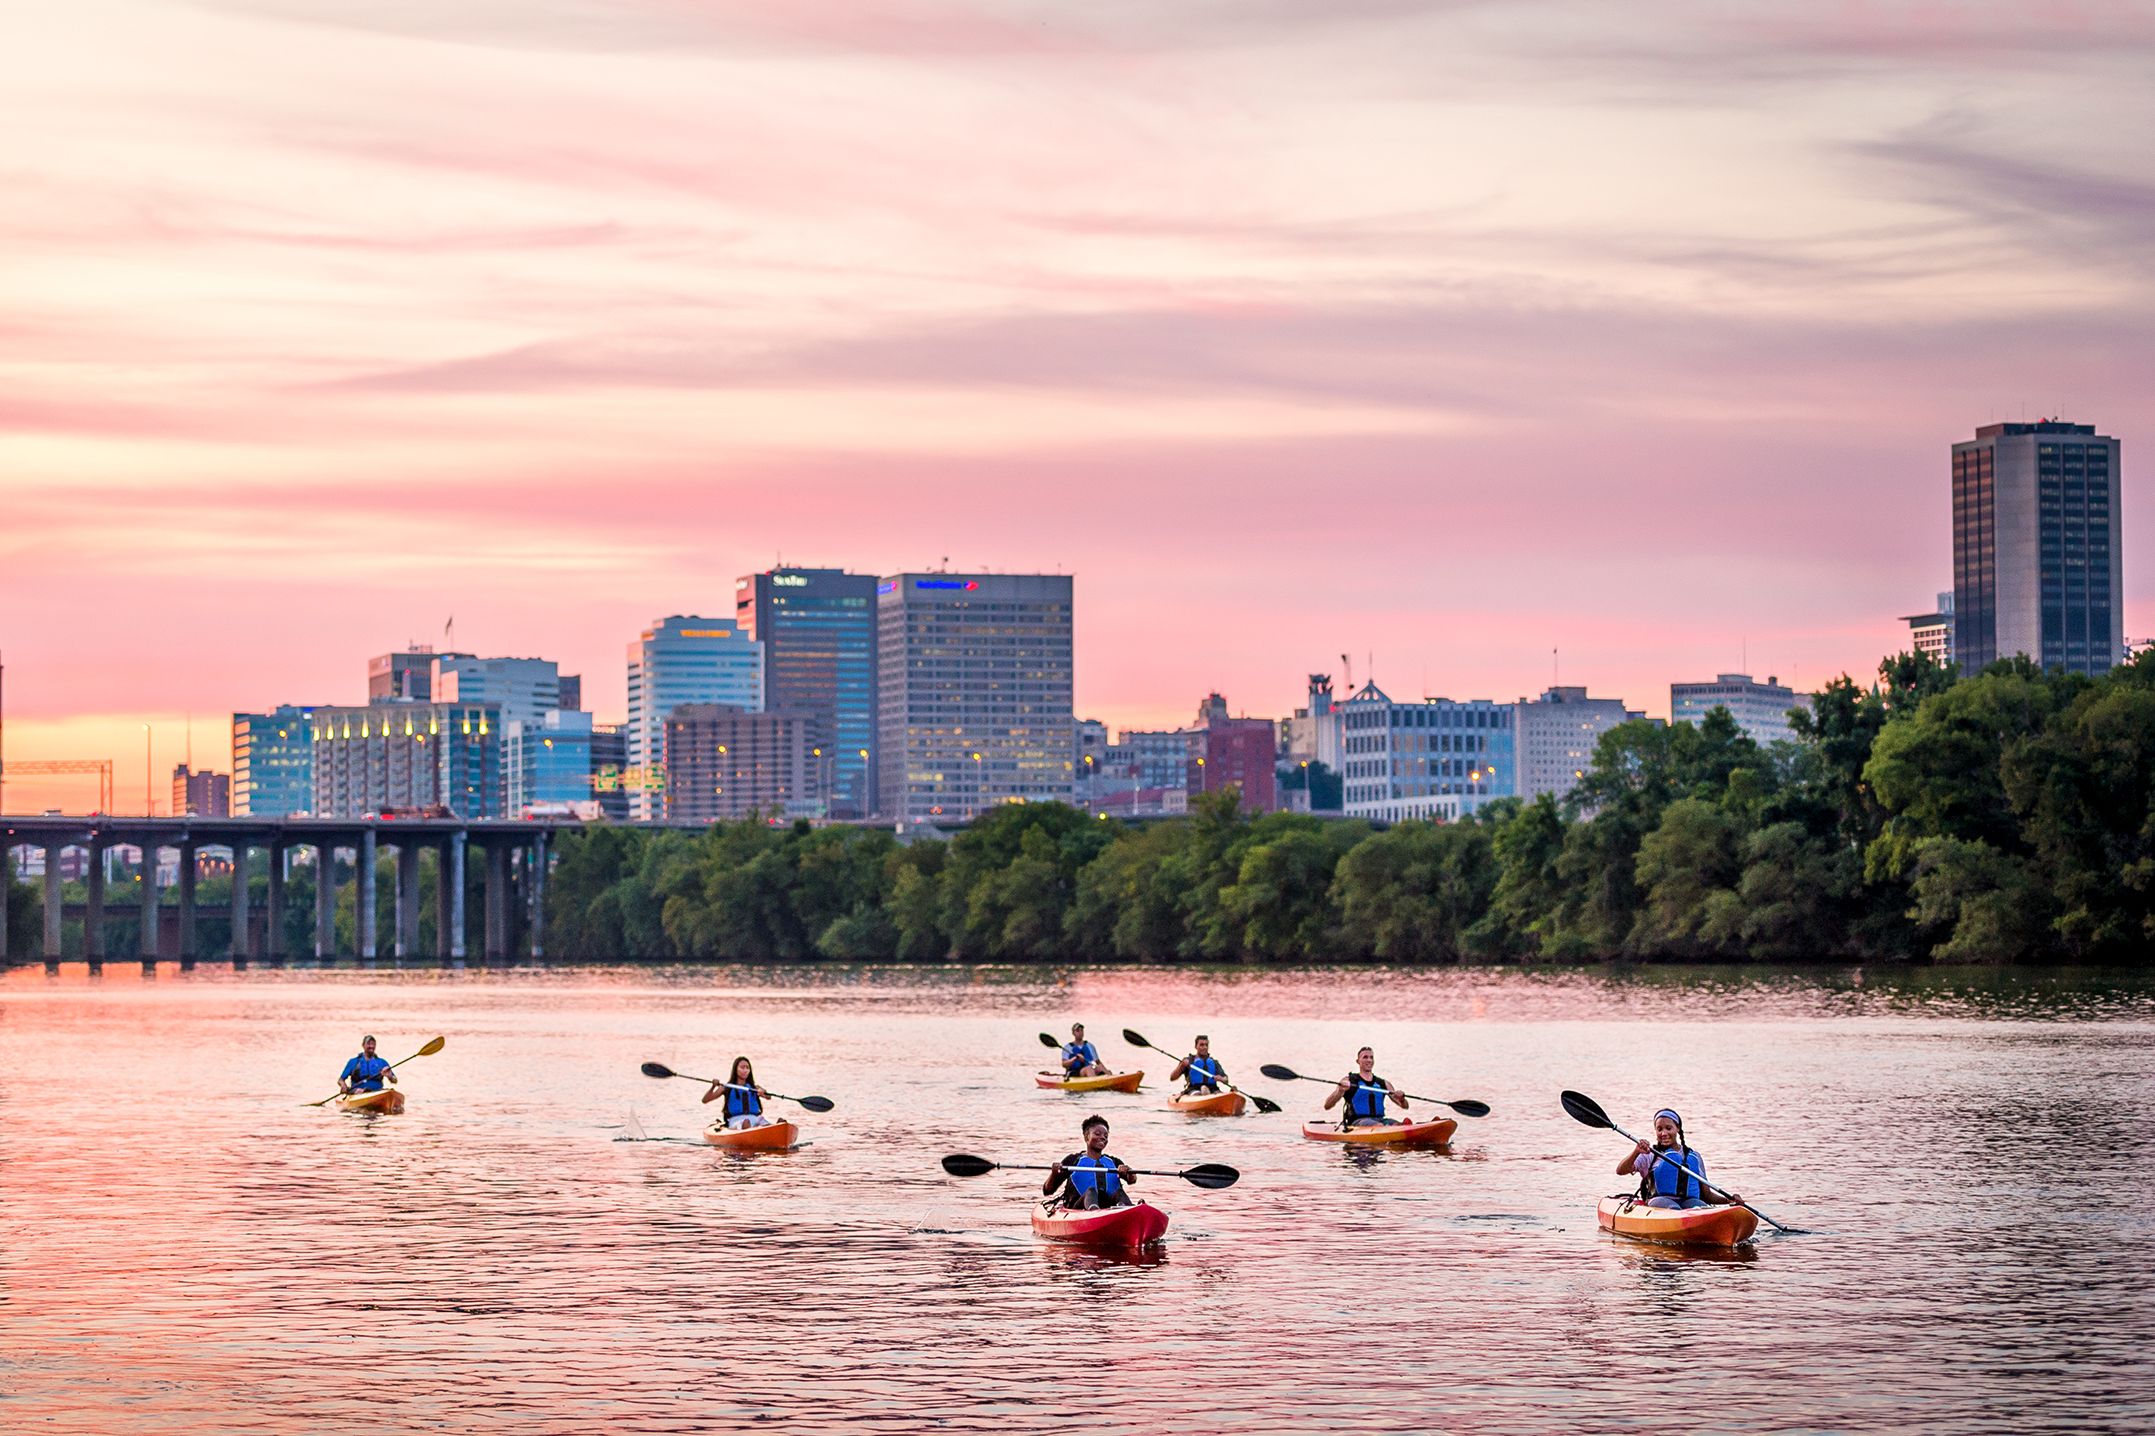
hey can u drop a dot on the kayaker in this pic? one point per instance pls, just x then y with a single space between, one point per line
366 1072
1200 1069
744 1099
1091 1178
1670 1172
1081 1058
1365 1094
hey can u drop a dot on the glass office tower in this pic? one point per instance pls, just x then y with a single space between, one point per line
2037 566
818 631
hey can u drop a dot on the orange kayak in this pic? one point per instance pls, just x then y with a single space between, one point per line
1433 1133
777 1137
1139 1224
1700 1226
1209 1104
1113 1082
388 1100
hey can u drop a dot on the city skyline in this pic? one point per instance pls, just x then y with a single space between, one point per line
1446 334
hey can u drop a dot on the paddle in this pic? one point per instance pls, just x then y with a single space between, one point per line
1465 1107
1212 1176
427 1051
1585 1109
1264 1104
813 1104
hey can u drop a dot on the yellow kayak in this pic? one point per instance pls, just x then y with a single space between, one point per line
389 1099
1113 1082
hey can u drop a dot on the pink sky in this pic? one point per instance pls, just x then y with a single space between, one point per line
1451 332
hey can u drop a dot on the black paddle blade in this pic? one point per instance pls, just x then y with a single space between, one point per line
1278 1073
960 1165
1584 1109
657 1069
1264 1104
1047 1041
1469 1108
818 1104
1210 1175
1130 1035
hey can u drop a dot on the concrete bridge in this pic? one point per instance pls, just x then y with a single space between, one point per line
512 855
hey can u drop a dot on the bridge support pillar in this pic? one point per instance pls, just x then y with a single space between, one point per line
442 912
325 900
274 947
54 910
408 898
188 859
366 895
147 944
93 912
538 894
7 890
242 906
497 902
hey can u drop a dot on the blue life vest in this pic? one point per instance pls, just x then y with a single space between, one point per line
1078 1055
1088 1172
741 1103
364 1073
1365 1099
1668 1179
1203 1072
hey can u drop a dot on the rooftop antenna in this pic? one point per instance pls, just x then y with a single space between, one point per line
1555 670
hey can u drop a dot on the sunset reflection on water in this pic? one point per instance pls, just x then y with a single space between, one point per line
190 1248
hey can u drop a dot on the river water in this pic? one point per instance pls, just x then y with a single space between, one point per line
540 1242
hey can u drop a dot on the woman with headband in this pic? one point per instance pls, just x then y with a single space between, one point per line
1670 1172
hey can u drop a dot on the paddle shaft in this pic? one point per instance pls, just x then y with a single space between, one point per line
1411 1096
1704 1185
1223 1084
392 1069
743 1087
1030 1167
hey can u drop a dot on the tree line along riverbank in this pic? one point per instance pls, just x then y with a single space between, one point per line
2008 816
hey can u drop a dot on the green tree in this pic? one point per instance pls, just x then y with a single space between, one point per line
1414 892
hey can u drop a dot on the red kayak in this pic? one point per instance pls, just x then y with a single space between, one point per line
1139 1224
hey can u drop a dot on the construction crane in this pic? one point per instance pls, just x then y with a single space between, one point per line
47 766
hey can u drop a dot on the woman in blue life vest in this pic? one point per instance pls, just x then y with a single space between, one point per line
366 1072
1671 1174
1365 1094
1081 1058
1091 1178
1201 1070
744 1099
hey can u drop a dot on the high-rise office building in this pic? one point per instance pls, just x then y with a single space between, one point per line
1557 734
1932 633
547 762
1432 759
524 690
818 631
407 756
726 762
273 763
1760 709
200 795
406 677
682 659
609 762
974 693
2037 562
1238 753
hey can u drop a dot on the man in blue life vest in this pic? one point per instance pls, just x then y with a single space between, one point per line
1081 1058
1201 1070
1091 1178
1671 1174
366 1072
1365 1094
